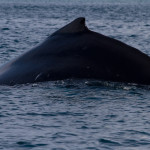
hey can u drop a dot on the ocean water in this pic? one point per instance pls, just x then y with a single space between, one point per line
73 114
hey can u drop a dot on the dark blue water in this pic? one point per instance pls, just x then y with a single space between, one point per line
73 114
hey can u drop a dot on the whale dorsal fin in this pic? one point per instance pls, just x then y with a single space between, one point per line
77 25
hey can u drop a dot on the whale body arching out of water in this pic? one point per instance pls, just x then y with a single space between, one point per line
76 52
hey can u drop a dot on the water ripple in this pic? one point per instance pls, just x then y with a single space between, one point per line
73 114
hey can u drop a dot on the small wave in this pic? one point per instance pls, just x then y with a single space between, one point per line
5 29
11 50
109 142
56 114
28 144
133 36
92 148
132 142
16 41
138 132
109 84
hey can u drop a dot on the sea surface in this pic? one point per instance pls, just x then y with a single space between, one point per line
73 114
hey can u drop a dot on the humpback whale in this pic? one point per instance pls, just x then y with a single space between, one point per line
74 51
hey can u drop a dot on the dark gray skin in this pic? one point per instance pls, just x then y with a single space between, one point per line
76 52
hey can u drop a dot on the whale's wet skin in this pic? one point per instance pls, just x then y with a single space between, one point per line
76 52
73 114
